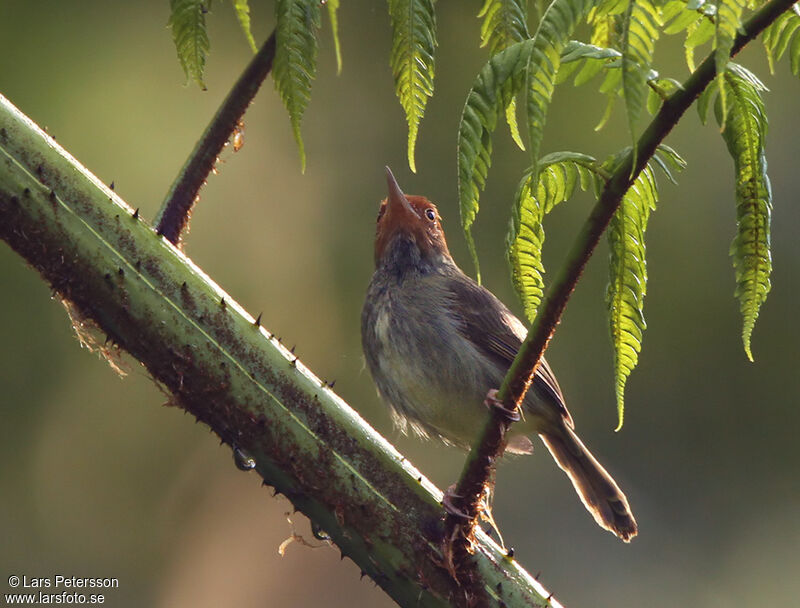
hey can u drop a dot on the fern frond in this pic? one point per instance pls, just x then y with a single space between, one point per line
333 7
413 44
726 26
559 174
744 132
243 15
534 61
677 16
555 30
497 84
705 98
660 90
187 20
697 34
590 58
605 20
640 31
780 35
667 158
504 23
295 63
628 279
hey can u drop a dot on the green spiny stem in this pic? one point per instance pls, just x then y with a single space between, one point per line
221 365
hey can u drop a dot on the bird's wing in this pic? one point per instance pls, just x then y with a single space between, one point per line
489 325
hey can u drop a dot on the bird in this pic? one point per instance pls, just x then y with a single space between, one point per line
435 342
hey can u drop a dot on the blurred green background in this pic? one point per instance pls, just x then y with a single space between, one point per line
99 479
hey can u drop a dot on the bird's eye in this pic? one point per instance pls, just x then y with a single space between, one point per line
430 214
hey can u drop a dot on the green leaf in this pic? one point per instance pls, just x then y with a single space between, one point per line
188 23
705 99
667 158
243 15
499 80
413 44
559 174
333 6
535 62
295 62
628 279
780 35
744 132
605 19
640 31
513 125
726 25
678 17
591 60
697 34
555 30
504 23
660 89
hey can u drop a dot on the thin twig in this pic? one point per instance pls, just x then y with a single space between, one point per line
173 217
480 465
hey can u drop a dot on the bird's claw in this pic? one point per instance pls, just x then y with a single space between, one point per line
492 401
448 502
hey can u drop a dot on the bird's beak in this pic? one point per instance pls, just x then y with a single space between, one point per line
398 217
397 203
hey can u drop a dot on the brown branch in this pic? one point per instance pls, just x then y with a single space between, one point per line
173 218
479 468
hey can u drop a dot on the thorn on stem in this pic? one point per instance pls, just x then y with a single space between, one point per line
258 320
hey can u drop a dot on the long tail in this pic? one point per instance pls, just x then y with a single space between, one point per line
598 491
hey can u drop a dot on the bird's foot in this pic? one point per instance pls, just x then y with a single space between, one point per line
449 503
492 401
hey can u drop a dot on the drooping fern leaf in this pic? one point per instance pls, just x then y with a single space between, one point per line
555 30
628 279
628 269
413 44
243 15
559 174
497 84
295 63
534 61
744 132
697 34
605 21
587 60
504 23
678 16
726 26
640 31
333 7
780 35
705 99
187 20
